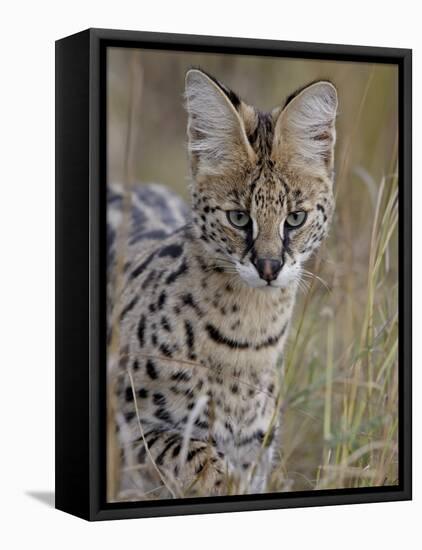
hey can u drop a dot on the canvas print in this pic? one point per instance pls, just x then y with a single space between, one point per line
252 275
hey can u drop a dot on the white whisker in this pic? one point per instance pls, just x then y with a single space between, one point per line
310 275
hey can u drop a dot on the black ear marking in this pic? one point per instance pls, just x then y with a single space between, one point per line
294 94
231 96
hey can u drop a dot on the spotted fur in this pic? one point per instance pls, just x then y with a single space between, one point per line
201 329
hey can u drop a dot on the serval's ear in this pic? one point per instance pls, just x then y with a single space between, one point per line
305 132
216 132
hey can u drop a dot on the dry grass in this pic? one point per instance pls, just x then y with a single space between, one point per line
340 392
341 373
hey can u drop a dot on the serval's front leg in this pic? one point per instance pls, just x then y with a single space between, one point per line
187 468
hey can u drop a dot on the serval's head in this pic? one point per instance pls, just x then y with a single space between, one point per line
261 182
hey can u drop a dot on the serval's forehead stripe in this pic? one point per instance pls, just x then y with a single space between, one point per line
265 189
261 135
261 186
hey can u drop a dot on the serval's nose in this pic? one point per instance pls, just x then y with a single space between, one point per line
268 268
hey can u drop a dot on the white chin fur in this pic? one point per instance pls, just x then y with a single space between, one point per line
250 276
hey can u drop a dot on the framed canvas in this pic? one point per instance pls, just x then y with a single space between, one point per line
233 228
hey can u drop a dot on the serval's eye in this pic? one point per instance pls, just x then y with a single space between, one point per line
295 219
238 218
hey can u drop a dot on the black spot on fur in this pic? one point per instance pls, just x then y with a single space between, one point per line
128 308
163 414
161 300
172 250
190 338
141 331
129 395
228 427
154 439
202 424
176 274
191 454
169 444
149 279
188 300
200 468
136 272
165 350
159 399
151 370
176 451
181 376
165 324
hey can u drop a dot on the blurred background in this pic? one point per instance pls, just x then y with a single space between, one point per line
341 371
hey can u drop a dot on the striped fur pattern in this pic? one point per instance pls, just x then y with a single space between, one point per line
208 293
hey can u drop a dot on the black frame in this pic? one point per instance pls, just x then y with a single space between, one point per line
80 273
